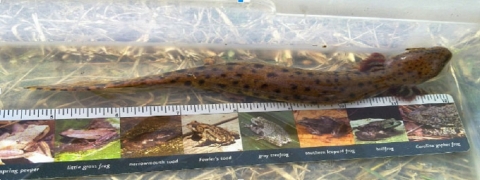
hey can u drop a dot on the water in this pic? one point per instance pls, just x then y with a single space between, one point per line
26 65
155 31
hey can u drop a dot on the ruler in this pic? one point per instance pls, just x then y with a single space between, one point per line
246 150
169 110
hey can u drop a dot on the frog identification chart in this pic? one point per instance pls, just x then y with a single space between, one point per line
47 143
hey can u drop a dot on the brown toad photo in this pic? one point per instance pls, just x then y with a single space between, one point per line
211 133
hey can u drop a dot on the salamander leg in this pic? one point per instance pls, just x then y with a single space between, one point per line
375 62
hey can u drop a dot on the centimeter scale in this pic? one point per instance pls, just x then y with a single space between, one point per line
42 114
92 141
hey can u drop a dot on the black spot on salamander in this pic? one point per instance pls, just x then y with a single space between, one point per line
222 85
214 69
352 95
404 80
239 74
285 70
39 88
298 72
293 86
277 91
235 82
246 86
272 74
208 76
326 99
317 81
187 83
342 89
291 76
173 81
258 66
254 71
307 89
256 94
201 68
336 80
286 97
360 84
271 97
328 81
230 68
223 75
310 74
201 82
263 86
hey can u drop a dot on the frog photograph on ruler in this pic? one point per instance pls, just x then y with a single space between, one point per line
87 139
381 124
24 142
268 130
432 121
211 133
318 128
151 136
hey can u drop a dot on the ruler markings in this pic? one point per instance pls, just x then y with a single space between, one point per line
168 110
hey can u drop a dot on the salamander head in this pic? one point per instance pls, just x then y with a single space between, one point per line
418 65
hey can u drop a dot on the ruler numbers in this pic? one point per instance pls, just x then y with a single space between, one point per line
172 110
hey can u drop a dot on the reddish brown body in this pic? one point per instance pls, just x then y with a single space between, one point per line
292 84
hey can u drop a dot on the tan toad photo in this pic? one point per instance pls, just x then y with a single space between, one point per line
211 133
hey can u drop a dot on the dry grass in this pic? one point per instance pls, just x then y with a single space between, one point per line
151 29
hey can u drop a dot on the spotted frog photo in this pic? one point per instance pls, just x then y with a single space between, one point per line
211 133
432 121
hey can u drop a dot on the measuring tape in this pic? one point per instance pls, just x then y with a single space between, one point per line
169 110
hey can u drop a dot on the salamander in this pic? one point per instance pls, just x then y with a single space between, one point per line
376 75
